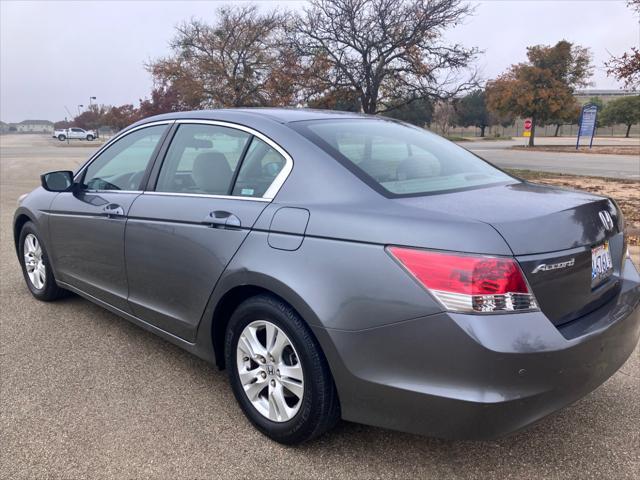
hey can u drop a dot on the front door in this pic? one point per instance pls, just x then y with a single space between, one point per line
86 227
181 236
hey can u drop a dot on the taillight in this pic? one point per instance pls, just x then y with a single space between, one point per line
467 283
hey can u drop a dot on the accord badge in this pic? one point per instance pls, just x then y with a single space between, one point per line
543 267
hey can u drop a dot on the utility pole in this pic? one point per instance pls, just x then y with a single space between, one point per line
97 126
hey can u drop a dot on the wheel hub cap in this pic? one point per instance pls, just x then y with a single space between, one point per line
269 370
36 270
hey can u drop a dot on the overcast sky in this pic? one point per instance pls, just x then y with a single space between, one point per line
57 54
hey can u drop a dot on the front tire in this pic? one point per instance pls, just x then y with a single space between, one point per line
62 138
278 372
89 138
36 267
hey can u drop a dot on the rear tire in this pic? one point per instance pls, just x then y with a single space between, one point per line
36 267
315 405
62 138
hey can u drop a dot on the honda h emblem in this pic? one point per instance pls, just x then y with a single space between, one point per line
606 219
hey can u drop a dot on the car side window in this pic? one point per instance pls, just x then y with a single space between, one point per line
202 159
122 165
259 169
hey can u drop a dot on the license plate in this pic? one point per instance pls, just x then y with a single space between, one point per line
601 264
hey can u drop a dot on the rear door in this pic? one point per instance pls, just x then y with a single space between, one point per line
183 231
86 226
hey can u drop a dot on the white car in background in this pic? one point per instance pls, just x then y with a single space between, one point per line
74 133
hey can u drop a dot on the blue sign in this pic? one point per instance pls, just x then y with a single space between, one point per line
587 123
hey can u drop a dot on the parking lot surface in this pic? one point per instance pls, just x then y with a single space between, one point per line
593 164
85 394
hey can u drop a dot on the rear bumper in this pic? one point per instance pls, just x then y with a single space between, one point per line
473 376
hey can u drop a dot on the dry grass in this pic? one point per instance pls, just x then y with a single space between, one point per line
599 149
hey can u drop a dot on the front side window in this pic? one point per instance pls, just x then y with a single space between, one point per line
122 165
202 159
398 160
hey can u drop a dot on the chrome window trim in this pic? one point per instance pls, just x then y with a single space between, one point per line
112 191
269 194
277 183
115 139
204 195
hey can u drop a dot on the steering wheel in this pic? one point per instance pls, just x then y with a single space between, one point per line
101 184
134 180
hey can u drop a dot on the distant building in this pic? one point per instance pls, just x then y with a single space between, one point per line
34 126
584 96
4 127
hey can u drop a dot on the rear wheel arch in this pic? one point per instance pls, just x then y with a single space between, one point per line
222 313
229 302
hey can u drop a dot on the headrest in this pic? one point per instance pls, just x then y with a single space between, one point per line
418 167
211 173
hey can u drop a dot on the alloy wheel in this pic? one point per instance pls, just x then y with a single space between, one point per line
270 371
33 261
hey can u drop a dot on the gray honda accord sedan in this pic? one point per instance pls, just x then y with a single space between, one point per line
343 266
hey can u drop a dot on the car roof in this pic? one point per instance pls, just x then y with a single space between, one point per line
280 115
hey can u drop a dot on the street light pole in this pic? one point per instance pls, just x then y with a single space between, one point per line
97 127
79 107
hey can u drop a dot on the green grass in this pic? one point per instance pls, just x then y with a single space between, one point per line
455 138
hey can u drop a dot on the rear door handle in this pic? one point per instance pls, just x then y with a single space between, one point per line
222 219
113 210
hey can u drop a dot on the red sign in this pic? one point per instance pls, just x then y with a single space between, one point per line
527 124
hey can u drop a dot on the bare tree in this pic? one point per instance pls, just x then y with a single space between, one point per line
626 68
240 60
444 116
389 52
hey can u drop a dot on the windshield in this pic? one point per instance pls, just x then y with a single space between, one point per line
399 160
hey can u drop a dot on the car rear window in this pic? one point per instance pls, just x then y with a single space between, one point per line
400 160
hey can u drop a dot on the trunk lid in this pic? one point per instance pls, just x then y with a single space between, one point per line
551 232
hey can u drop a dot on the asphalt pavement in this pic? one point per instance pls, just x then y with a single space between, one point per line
593 164
85 394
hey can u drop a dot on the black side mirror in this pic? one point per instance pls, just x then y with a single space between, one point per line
60 181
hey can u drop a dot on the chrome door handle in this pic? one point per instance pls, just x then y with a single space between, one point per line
222 219
113 210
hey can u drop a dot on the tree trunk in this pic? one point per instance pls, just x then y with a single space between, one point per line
533 132
557 130
628 130
482 127
369 104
